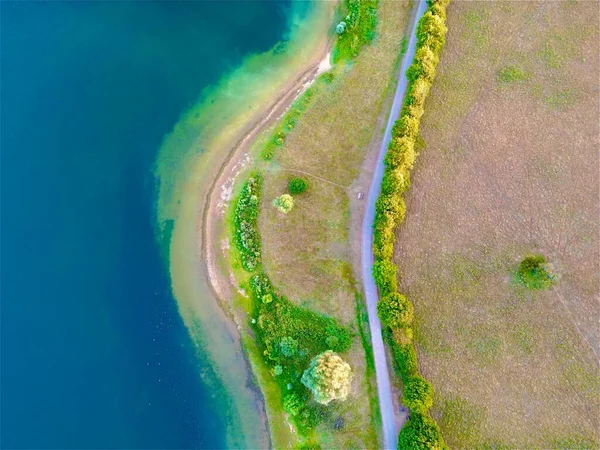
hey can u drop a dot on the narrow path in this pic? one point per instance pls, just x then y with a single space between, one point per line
384 391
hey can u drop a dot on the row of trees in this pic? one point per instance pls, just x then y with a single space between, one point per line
394 309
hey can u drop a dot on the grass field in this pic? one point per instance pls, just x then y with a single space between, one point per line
307 253
508 167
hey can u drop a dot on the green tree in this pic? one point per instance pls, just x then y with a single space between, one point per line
384 273
297 186
534 273
418 394
328 377
395 310
420 433
284 203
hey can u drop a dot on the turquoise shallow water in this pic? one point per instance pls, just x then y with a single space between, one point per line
94 353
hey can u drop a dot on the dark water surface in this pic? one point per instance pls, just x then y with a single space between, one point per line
94 353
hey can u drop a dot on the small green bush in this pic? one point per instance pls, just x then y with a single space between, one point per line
297 186
395 311
284 203
292 404
431 31
534 273
311 416
288 346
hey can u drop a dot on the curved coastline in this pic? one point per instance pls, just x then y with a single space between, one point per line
192 160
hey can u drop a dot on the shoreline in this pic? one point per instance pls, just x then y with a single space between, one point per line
236 161
215 205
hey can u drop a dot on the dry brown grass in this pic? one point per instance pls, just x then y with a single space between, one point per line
510 168
307 253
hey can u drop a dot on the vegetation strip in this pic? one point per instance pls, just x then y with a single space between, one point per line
394 309
298 344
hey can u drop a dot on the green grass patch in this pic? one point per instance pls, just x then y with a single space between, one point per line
574 443
513 74
524 339
561 99
463 422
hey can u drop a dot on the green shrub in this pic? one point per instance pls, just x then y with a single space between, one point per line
395 311
534 273
391 206
407 126
247 238
292 404
288 346
395 182
431 31
404 356
384 273
401 153
420 433
297 186
311 416
284 203
360 24
426 62
327 77
418 394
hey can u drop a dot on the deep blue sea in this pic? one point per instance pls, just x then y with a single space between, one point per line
93 351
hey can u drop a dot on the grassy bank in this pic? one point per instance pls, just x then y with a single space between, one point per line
323 139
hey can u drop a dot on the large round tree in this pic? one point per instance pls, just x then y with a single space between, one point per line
328 377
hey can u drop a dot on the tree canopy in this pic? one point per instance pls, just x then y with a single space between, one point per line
328 377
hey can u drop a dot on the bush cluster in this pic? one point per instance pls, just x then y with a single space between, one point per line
358 28
247 239
289 336
394 309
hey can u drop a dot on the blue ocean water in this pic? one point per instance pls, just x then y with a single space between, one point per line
93 351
